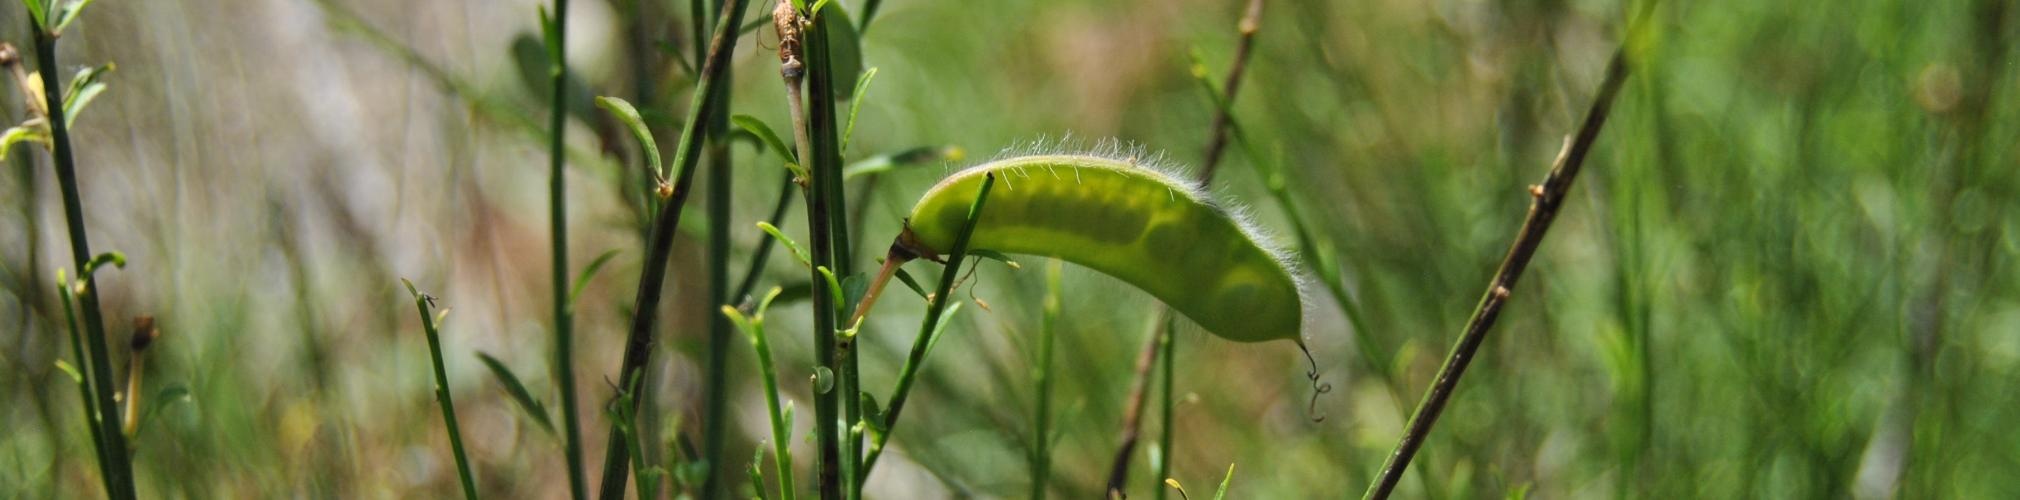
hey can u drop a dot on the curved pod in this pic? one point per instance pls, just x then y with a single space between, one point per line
1134 223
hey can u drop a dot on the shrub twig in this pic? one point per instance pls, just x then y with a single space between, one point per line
1155 342
1547 200
557 214
118 466
645 309
939 301
425 305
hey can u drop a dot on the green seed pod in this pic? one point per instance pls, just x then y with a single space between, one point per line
1134 223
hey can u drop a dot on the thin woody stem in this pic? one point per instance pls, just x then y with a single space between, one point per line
1548 199
1132 417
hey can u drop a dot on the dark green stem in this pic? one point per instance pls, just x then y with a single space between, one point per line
942 296
557 215
645 309
117 468
714 423
421 304
84 383
1041 375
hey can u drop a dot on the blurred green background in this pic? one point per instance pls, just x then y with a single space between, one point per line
1787 272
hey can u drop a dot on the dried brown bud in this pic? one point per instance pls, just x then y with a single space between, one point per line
144 333
1536 190
664 190
1501 292
786 21
9 56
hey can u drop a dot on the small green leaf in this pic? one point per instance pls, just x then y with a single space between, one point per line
550 39
915 156
38 9
71 370
906 278
798 253
756 473
873 414
771 139
518 391
628 115
1222 493
834 290
115 258
945 318
34 131
582 280
84 88
66 14
795 292
410 289
766 302
853 289
855 105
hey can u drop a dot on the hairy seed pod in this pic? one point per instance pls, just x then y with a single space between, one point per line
1134 223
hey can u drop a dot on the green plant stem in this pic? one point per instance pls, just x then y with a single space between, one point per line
84 382
1164 399
814 128
781 428
942 296
1041 376
716 389
827 163
442 393
557 214
117 468
714 425
1547 200
645 309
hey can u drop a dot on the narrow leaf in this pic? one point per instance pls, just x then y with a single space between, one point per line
855 105
915 156
71 370
38 10
771 139
84 88
67 14
798 253
628 115
906 278
518 391
582 280
941 327
1222 493
34 132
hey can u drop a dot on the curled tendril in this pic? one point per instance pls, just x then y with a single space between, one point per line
1318 387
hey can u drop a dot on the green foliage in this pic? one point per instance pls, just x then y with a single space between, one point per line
622 110
510 382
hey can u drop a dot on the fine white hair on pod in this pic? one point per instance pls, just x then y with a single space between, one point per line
1178 177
